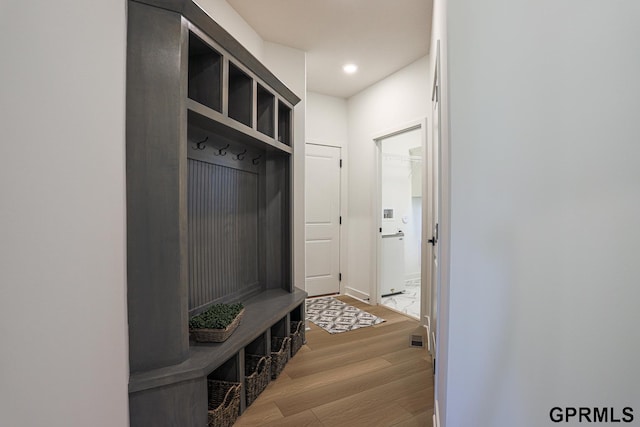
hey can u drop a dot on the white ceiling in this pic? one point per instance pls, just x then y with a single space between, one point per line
380 36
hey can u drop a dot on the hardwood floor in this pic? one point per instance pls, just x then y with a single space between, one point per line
366 377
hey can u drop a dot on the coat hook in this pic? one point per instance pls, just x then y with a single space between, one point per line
221 151
240 156
200 145
256 160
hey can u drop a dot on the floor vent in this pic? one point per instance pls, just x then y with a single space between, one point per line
418 338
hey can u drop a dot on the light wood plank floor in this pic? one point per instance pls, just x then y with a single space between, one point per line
367 377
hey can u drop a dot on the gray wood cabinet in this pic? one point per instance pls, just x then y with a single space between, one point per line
209 155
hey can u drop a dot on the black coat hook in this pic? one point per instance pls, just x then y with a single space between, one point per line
200 145
221 151
256 160
240 156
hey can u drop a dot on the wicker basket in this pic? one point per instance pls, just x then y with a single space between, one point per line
258 380
217 335
297 337
224 403
280 357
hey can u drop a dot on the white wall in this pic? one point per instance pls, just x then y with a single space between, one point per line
63 327
388 105
545 204
226 16
290 66
327 120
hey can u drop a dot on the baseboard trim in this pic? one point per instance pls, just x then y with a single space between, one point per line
427 327
436 415
354 293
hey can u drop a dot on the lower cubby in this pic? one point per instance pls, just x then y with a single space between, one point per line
297 336
297 329
257 368
219 375
280 346
224 393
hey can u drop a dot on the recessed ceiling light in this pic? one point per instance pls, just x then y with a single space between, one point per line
350 68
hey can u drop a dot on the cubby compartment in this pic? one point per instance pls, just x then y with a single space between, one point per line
224 392
227 371
297 329
240 95
280 347
258 346
205 71
265 110
257 368
284 123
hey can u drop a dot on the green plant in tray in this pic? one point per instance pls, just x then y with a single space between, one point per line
218 316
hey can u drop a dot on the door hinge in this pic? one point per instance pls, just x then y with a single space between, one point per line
381 229
340 162
340 219
339 277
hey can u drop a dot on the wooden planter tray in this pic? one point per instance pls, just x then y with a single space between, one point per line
217 335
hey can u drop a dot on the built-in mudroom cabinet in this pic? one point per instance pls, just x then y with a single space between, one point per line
209 209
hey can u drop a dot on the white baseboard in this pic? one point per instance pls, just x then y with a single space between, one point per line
428 339
358 295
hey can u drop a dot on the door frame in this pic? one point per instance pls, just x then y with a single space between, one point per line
427 200
343 267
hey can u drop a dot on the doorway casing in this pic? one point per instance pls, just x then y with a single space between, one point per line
427 220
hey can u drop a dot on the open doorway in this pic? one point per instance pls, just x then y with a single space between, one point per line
400 214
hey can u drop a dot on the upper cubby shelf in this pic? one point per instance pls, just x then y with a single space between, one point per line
265 111
284 124
240 95
201 20
222 89
205 74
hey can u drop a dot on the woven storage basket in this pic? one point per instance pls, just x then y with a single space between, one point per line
297 337
280 357
224 403
259 368
217 335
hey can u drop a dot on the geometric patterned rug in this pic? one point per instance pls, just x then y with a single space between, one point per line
335 316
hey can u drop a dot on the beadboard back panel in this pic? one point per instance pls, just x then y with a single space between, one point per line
224 241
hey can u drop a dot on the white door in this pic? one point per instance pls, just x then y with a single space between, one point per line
322 222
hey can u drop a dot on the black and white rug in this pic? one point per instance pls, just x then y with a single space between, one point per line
335 316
